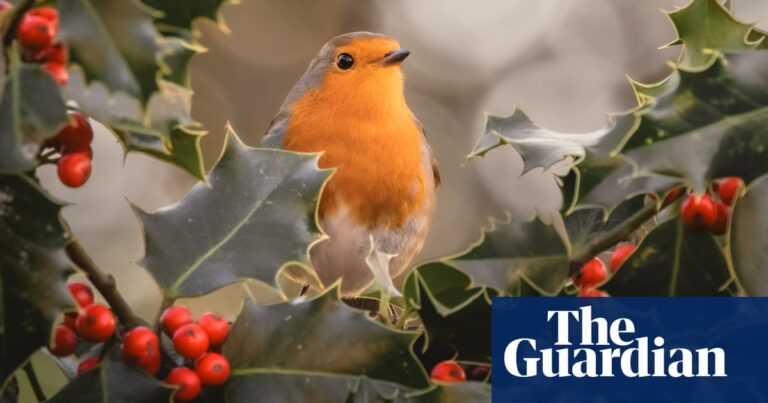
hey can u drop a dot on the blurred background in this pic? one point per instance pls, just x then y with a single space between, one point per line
561 61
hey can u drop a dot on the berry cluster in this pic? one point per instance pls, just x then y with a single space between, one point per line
195 341
452 371
594 272
36 34
711 211
93 323
73 144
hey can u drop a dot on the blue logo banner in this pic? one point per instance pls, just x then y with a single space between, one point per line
630 350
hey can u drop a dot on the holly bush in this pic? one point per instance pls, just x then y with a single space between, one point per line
670 194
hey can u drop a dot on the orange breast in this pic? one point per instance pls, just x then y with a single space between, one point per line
372 141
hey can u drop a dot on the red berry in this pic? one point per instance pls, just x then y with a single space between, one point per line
175 317
728 188
77 135
153 367
591 274
55 54
190 341
87 364
479 373
213 369
216 327
141 346
698 211
620 255
720 224
96 323
64 341
4 5
188 381
58 72
81 292
448 371
35 33
74 168
70 321
48 13
591 292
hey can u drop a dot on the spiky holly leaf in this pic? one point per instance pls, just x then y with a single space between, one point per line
316 350
454 393
31 111
516 250
173 17
672 261
541 147
256 217
33 270
748 243
114 381
708 122
114 42
705 27
445 300
586 224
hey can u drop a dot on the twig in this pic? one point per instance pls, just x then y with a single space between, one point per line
103 282
615 235
34 382
18 14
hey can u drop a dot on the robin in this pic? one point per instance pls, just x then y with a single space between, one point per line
350 106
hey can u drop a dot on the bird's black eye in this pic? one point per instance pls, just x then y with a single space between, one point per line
345 61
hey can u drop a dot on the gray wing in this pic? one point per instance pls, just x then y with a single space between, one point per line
276 131
430 154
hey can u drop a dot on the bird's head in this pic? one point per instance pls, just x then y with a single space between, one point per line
357 66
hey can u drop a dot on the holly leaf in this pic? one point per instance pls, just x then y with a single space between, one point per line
748 243
114 42
594 153
316 350
31 111
114 381
708 122
586 224
706 26
175 16
446 300
516 250
257 216
163 129
33 270
672 261
454 393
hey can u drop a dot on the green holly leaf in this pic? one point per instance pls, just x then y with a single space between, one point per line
672 261
705 27
164 129
31 111
114 42
586 224
175 16
446 301
515 250
708 122
748 243
114 381
475 392
256 217
33 270
316 350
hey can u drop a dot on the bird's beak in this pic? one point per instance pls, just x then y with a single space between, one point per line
395 56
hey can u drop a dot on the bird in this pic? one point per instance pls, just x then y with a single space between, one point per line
349 105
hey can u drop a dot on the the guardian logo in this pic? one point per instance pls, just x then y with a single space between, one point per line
600 348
